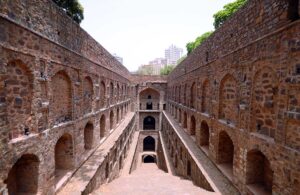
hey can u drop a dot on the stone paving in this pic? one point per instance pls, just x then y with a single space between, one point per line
217 180
148 179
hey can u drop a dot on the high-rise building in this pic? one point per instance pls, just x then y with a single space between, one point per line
172 54
120 59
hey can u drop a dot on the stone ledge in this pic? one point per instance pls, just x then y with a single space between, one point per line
213 175
90 167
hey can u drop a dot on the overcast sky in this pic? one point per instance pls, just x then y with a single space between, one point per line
140 30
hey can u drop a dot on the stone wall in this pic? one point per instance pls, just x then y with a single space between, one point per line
247 75
61 95
183 162
45 18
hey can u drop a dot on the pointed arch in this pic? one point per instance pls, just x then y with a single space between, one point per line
228 99
111 120
88 136
259 171
149 144
193 92
19 93
185 120
205 100
102 126
23 176
88 93
193 126
61 102
204 134
149 123
265 91
102 94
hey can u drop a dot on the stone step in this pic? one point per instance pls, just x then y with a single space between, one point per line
149 179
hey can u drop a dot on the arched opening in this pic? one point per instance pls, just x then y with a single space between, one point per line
149 144
18 84
102 126
88 136
149 98
62 97
149 106
264 102
111 92
193 95
106 170
118 93
63 156
188 168
23 176
118 115
258 171
102 94
149 159
87 95
111 120
149 123
193 126
228 100
225 153
204 134
185 120
180 94
179 116
120 162
205 97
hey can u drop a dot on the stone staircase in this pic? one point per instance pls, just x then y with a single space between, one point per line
149 179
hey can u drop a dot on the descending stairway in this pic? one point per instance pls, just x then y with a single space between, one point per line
148 179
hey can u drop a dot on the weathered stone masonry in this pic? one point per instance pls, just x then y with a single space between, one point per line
247 99
63 97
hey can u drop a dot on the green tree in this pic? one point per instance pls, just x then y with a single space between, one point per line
167 69
199 40
221 16
73 8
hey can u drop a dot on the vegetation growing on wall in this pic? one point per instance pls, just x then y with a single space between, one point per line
72 8
192 45
219 18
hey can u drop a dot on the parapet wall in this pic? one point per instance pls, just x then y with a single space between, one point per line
139 79
256 19
47 19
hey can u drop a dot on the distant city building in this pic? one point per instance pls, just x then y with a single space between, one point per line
146 70
158 64
120 59
173 54
159 61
